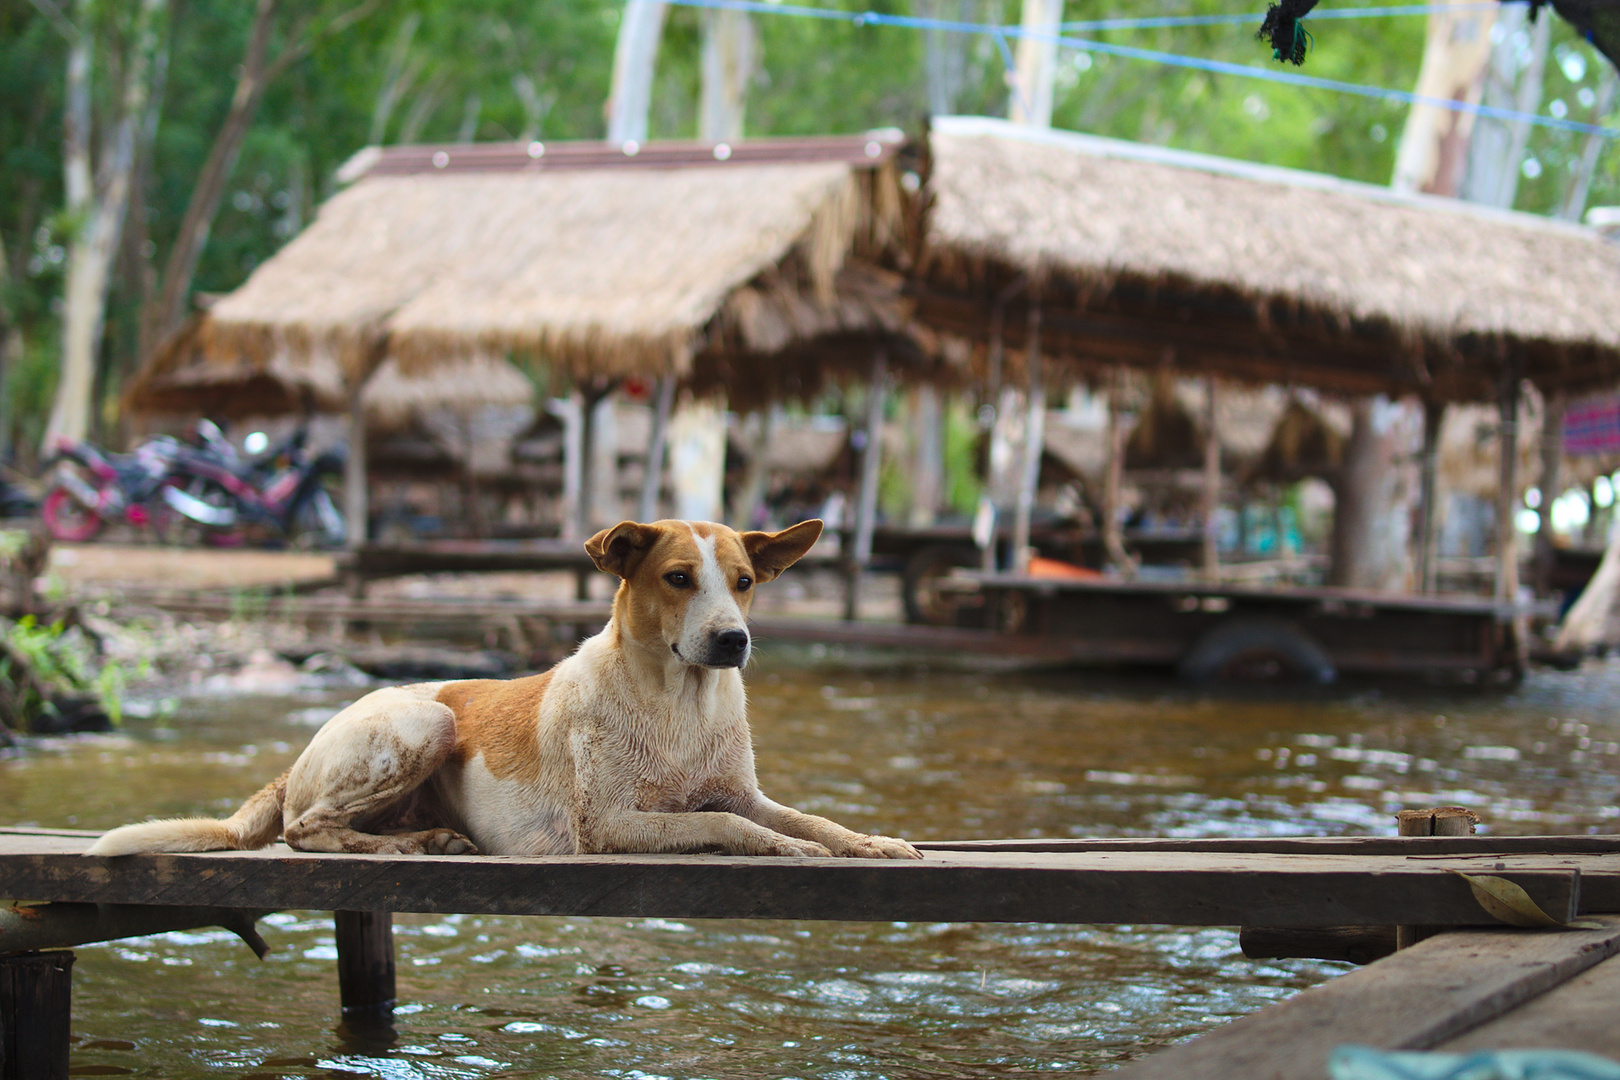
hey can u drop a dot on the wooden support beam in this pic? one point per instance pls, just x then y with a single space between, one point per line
1353 944
61 926
356 497
36 991
1113 531
652 482
1029 474
365 946
1428 553
1551 484
1439 821
1209 509
860 552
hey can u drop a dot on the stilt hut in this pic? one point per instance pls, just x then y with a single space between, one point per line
1103 253
581 262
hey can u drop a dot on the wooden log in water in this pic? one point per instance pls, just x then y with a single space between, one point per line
36 991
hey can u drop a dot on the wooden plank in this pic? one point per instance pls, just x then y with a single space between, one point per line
1576 1015
1183 888
1480 847
1413 1000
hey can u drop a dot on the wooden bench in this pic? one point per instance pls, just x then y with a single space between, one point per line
1300 883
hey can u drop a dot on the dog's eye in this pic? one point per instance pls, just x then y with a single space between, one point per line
678 579
744 582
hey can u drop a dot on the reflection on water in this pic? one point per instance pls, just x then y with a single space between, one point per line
925 754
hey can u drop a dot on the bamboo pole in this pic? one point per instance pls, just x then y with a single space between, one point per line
652 482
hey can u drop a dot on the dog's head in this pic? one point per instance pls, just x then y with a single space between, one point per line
688 585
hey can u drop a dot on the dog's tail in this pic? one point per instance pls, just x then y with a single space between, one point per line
255 825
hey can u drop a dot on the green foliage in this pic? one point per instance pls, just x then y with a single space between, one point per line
963 475
57 659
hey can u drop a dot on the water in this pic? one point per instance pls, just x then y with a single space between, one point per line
925 754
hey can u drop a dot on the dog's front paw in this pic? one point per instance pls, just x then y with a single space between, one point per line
448 842
803 849
879 847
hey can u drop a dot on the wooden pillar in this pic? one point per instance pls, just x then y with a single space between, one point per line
756 433
1439 821
1507 492
1034 438
652 483
928 457
860 552
568 410
365 945
1428 547
1552 483
36 991
356 503
1211 495
1113 536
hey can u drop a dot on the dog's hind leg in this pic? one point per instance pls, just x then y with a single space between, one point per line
362 762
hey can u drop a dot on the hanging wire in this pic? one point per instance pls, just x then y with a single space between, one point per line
1220 67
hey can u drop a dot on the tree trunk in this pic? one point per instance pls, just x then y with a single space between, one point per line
98 207
1580 186
729 54
635 60
169 309
1371 513
1497 146
1036 63
1434 146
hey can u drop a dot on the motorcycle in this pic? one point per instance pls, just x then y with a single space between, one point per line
280 491
90 488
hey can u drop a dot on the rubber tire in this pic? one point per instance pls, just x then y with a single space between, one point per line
927 565
1213 655
68 519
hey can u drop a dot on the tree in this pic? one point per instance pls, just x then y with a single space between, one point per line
97 185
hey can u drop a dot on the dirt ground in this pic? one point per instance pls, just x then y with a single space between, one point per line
76 569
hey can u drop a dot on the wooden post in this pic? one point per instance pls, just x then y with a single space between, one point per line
1428 553
1211 500
365 945
1507 502
1113 473
928 460
569 410
1438 821
356 504
860 552
1034 438
36 991
1552 482
653 482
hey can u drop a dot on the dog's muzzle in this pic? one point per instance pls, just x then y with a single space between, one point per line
728 648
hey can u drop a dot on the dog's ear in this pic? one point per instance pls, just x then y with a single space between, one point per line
618 550
772 553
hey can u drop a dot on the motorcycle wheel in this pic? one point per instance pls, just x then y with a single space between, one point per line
180 531
318 524
68 519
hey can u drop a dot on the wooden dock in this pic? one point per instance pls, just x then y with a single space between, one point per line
1279 883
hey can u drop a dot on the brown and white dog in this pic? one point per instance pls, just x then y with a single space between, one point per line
638 742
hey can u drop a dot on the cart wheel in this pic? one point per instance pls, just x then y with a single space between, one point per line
67 518
920 588
1256 648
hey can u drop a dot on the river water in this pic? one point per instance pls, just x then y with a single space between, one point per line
892 747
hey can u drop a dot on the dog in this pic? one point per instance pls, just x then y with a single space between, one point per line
636 743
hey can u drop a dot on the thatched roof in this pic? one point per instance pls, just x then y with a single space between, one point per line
1144 255
577 257
181 379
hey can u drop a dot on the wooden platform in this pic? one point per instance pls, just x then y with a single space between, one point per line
1298 883
1439 993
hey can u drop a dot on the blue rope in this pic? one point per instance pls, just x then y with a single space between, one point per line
1158 21
1220 67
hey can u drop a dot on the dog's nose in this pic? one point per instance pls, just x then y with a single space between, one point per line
730 644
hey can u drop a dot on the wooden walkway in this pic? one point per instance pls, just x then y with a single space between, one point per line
1431 995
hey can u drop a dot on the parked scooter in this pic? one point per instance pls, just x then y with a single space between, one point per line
90 488
279 491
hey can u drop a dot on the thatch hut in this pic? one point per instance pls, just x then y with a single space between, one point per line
582 262
1148 256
